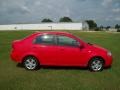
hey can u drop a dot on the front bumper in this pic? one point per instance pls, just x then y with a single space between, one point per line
108 61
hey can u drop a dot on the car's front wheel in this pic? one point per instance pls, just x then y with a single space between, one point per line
30 63
96 64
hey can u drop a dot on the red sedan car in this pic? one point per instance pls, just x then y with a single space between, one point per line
59 49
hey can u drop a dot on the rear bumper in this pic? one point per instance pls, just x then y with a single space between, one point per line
15 56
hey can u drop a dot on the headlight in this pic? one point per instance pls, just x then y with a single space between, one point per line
109 53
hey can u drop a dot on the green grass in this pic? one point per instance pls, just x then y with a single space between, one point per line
16 78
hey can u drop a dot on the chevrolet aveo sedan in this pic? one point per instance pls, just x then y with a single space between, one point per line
59 49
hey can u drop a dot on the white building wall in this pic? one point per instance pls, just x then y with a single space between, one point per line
43 26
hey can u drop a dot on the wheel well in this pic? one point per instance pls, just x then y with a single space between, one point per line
30 56
96 57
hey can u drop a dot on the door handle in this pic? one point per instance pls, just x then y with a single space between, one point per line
62 49
34 47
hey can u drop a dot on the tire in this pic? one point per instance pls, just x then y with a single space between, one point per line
96 64
31 63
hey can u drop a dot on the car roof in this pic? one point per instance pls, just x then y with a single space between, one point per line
54 32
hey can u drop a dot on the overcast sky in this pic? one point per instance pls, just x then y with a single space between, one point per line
104 12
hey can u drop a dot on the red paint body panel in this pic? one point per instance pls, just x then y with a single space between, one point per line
57 55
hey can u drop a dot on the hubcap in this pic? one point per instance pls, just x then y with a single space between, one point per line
30 63
96 65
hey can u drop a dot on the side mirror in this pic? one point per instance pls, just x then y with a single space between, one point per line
81 46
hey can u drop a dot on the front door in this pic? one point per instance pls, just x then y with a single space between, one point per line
69 52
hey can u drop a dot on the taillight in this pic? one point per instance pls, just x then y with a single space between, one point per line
12 46
15 44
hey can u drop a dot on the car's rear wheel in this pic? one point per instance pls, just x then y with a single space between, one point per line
96 64
30 63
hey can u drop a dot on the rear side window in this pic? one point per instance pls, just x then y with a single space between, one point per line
44 39
67 41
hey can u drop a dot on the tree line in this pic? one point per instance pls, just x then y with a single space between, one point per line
63 19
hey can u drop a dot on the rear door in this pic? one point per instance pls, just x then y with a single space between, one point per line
45 47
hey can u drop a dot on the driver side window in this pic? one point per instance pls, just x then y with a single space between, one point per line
67 41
